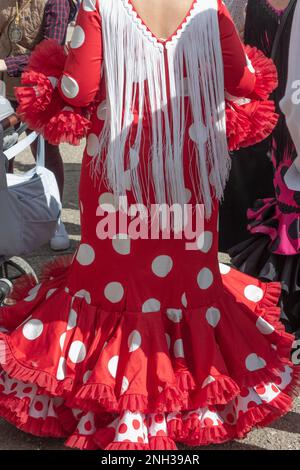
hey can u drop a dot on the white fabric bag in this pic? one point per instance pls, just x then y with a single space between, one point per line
30 203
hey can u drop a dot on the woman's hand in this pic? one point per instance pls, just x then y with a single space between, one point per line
3 67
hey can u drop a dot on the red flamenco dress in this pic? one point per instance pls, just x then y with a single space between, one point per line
139 344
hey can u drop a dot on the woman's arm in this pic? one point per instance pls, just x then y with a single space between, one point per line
82 74
239 76
237 10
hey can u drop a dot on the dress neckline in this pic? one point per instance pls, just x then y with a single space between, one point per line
176 34
277 11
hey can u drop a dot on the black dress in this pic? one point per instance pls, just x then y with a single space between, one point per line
252 178
252 172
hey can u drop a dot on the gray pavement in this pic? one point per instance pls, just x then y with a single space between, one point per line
282 435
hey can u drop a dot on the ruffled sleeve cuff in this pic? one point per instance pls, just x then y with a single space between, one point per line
251 120
42 106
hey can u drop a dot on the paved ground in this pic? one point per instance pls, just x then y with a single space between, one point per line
285 434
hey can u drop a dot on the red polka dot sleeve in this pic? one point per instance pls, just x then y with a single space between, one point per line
239 79
82 74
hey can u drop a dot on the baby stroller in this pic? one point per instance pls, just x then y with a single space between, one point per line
29 204
15 267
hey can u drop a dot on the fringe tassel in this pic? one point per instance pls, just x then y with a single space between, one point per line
139 69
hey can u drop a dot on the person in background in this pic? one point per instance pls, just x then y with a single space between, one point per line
252 163
270 244
23 25
290 104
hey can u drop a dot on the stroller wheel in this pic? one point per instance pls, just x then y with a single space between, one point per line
5 289
10 271
16 267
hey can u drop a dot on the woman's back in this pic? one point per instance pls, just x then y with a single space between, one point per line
162 16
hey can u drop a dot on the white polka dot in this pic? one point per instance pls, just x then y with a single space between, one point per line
205 278
224 269
162 266
89 5
107 202
61 370
102 111
85 255
184 300
125 385
168 339
254 362
33 329
72 321
39 407
53 81
113 366
92 147
86 376
213 316
151 305
134 341
121 244
114 292
84 294
205 241
253 293
198 133
68 108
78 37
86 425
50 292
32 294
62 340
178 348
210 379
175 315
77 352
69 87
264 327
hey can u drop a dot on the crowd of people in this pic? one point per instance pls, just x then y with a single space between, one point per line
138 343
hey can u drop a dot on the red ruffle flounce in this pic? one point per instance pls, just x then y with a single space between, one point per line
40 103
250 121
133 381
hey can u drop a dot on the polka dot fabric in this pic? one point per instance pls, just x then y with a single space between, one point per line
139 344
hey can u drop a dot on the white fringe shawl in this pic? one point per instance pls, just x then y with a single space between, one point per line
134 59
